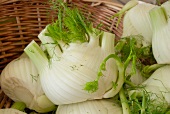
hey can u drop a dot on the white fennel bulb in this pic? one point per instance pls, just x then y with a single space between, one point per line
20 81
158 84
154 92
65 75
69 72
103 106
11 111
161 37
137 22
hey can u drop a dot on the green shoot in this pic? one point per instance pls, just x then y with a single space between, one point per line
128 45
144 101
130 49
141 102
149 69
37 55
71 25
132 54
126 7
129 82
75 23
93 86
124 102
119 46
143 108
128 53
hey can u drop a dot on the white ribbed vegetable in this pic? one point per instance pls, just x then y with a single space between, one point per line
154 92
103 106
64 77
158 83
137 21
161 35
20 81
70 72
11 111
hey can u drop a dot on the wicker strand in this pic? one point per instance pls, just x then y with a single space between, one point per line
39 18
19 25
8 1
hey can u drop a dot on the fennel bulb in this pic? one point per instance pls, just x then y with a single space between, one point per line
137 21
158 84
104 106
154 92
161 37
20 82
64 76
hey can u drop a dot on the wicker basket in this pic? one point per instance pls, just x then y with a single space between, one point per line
22 20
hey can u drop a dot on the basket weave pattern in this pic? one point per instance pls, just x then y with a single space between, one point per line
22 20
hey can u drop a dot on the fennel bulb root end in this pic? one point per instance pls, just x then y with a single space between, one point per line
44 104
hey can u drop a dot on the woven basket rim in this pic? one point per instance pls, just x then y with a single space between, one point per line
106 2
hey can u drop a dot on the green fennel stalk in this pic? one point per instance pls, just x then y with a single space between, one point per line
125 8
93 86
